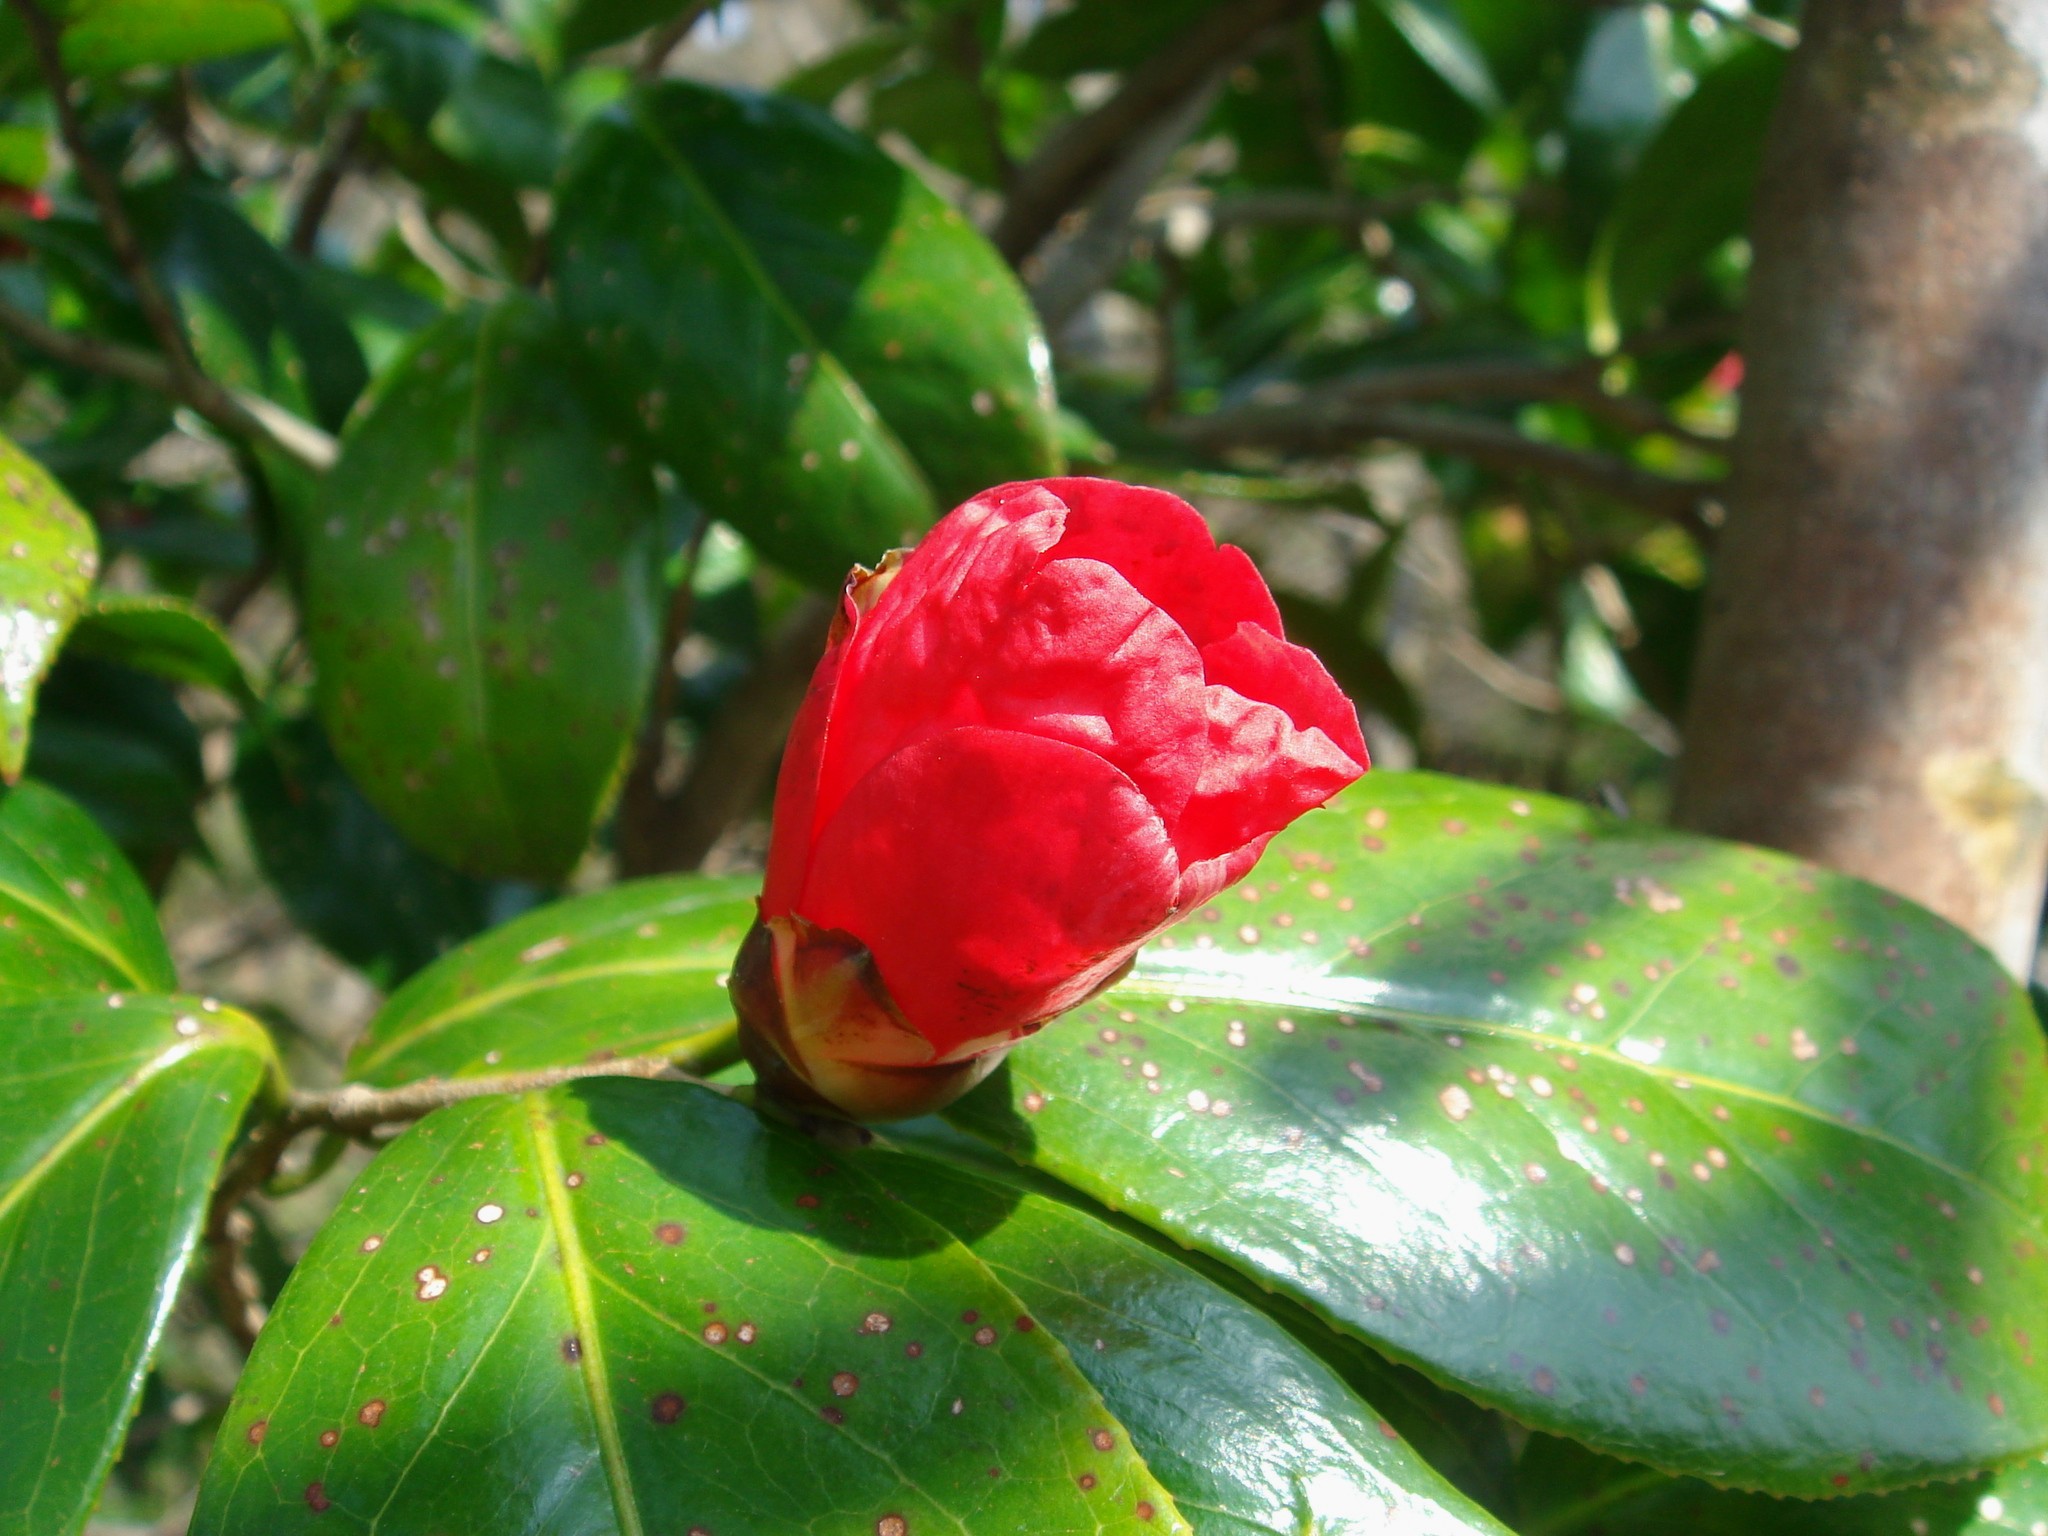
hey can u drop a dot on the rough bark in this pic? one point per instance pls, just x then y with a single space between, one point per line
1872 686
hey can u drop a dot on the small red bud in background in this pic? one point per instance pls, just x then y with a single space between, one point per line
24 200
1063 721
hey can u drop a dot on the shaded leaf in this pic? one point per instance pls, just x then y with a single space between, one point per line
347 876
1703 1156
633 1306
826 352
119 744
48 557
1568 1490
482 597
636 970
72 913
166 637
114 1115
1690 191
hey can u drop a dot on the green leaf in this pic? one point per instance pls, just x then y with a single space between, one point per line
114 1115
48 557
166 637
821 82
501 118
635 1307
826 353
72 913
347 876
1567 1490
1690 191
104 37
118 743
483 597
637 970
1434 31
1703 1156
941 111
280 338
1232 1414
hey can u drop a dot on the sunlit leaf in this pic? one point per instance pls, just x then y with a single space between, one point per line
48 557
72 913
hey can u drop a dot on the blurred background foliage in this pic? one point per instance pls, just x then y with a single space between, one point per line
1430 304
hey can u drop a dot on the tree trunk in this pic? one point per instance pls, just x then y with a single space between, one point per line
1872 685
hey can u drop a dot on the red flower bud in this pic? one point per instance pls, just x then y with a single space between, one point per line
1066 719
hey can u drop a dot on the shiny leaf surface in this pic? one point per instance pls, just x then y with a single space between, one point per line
1248 1429
482 596
114 1114
631 1306
826 352
72 913
1706 1157
633 971
48 557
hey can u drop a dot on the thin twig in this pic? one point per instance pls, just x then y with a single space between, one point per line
1342 428
1077 155
326 181
666 38
641 802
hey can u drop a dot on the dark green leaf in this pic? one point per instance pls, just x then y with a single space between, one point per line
635 1307
637 970
501 118
114 1114
166 637
1105 34
1691 189
824 350
1567 1490
482 597
1249 1431
1436 33
820 83
590 24
72 914
941 112
347 876
415 62
1698 1154
48 557
118 742
281 338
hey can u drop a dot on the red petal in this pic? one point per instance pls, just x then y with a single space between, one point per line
1268 762
996 877
1164 548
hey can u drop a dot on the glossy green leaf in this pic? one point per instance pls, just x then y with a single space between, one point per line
166 637
483 596
72 913
1249 1430
104 37
637 970
635 1307
348 877
1567 1490
1689 192
1434 31
826 352
48 557
114 1114
1698 1154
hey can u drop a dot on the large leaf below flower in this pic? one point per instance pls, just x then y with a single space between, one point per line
634 1307
1701 1155
827 353
72 913
482 596
114 1114
638 970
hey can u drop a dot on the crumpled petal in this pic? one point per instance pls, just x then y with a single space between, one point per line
997 878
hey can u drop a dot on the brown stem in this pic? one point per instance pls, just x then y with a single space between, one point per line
326 181
665 39
1339 427
1077 155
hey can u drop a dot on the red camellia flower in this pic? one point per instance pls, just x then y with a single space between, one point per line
1063 721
